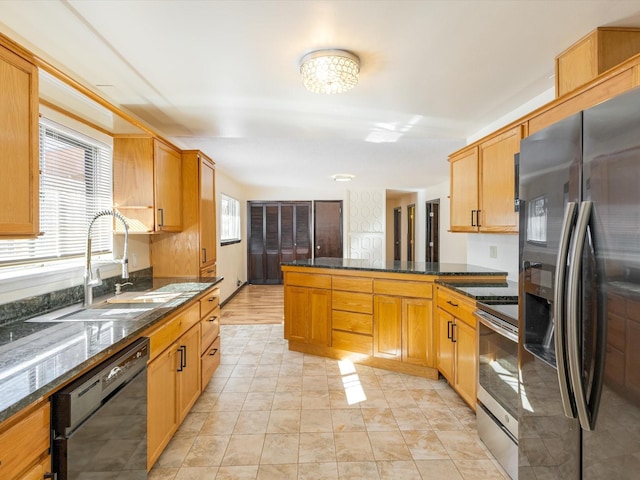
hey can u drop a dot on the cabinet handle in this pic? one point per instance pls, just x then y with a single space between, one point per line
213 352
449 323
184 347
451 303
478 218
182 355
161 213
52 476
212 299
453 332
213 319
473 224
204 255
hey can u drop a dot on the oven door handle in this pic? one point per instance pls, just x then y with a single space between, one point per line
496 328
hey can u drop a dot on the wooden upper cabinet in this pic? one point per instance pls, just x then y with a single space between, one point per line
147 184
464 191
19 163
592 55
483 185
497 183
192 251
207 213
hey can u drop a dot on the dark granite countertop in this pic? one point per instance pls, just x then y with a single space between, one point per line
438 269
499 292
37 356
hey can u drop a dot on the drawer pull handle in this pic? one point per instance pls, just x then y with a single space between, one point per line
453 333
451 303
449 323
213 352
213 319
212 299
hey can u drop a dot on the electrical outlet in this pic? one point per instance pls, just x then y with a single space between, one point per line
493 251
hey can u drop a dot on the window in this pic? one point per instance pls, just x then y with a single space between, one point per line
230 221
75 184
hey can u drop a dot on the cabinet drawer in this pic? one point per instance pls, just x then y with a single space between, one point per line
170 331
352 322
400 288
210 301
22 444
209 328
352 302
352 342
307 280
457 306
352 284
208 272
209 362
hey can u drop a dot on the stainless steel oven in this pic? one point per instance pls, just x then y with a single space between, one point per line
497 406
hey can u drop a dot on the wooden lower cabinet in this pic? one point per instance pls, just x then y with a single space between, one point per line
403 329
457 350
173 377
162 410
308 315
24 444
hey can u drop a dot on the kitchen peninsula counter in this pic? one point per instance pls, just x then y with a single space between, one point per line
40 355
380 315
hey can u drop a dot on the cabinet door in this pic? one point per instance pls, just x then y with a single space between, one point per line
19 182
417 325
497 182
207 218
319 330
296 313
188 371
168 187
162 412
466 360
464 191
387 327
444 345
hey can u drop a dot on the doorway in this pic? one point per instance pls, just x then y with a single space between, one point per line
411 232
432 251
397 228
328 228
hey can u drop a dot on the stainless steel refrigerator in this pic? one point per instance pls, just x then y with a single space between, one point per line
579 336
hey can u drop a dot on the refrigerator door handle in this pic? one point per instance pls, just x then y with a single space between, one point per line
573 331
559 310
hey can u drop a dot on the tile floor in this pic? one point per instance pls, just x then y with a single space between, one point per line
269 413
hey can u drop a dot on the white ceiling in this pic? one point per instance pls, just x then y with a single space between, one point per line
222 76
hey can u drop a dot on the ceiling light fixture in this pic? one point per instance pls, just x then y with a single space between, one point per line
342 177
330 71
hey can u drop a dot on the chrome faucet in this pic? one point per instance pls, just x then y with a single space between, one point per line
89 280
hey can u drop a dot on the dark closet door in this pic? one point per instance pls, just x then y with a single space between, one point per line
279 232
328 228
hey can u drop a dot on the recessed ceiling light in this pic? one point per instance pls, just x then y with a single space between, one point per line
342 177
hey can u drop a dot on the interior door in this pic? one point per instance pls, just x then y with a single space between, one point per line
411 232
397 246
328 228
432 231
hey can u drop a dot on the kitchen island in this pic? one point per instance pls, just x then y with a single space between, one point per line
378 315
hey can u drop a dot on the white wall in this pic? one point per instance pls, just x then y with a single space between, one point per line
506 249
231 260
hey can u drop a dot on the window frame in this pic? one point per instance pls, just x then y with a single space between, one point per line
236 216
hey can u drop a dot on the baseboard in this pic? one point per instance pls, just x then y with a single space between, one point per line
222 304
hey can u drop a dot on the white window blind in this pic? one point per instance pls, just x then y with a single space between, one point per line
230 221
75 184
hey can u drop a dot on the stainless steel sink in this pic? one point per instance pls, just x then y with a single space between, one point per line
107 313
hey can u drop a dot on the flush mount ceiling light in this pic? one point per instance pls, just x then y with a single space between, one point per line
329 71
342 177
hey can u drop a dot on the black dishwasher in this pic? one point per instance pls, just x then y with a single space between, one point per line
99 421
